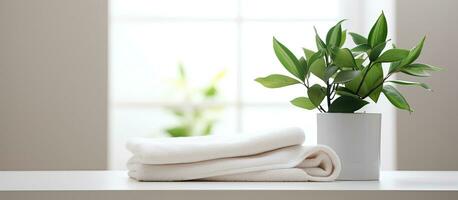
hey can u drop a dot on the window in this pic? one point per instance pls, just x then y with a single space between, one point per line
148 38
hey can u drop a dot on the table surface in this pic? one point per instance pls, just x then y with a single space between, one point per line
118 180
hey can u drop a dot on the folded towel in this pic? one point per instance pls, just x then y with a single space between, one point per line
293 163
276 156
194 149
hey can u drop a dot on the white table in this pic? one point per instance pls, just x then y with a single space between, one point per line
115 185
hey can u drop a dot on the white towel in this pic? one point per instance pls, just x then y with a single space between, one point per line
277 156
294 163
193 149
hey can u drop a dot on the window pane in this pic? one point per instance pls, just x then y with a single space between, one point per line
144 58
287 9
258 57
174 8
148 38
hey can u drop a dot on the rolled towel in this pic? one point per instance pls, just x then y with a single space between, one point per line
195 149
293 163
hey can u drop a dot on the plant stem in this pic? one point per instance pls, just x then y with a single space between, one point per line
328 93
334 91
306 86
321 109
364 77
328 89
378 85
307 78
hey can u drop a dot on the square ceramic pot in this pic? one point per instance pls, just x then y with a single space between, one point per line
355 137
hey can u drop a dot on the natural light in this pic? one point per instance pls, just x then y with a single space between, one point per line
149 40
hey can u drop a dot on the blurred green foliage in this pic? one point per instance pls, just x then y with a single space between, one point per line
199 111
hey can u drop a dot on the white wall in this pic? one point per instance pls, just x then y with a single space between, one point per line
53 84
427 139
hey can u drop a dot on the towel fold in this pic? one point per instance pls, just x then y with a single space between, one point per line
277 156
200 148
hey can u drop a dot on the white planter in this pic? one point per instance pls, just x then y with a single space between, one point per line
356 139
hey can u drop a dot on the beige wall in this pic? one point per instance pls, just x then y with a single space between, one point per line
428 139
53 84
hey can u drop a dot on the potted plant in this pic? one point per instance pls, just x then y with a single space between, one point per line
349 80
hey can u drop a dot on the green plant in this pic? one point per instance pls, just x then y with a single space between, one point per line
195 116
349 76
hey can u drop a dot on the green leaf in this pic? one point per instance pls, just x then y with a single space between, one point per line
359 62
329 72
354 84
376 51
392 55
396 98
315 57
378 32
400 82
374 75
414 53
346 104
424 67
415 71
308 53
418 69
394 66
288 59
343 38
346 76
320 45
303 102
318 69
179 131
358 39
334 35
210 91
218 76
181 72
304 65
276 81
345 92
344 58
316 94
361 48
373 78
